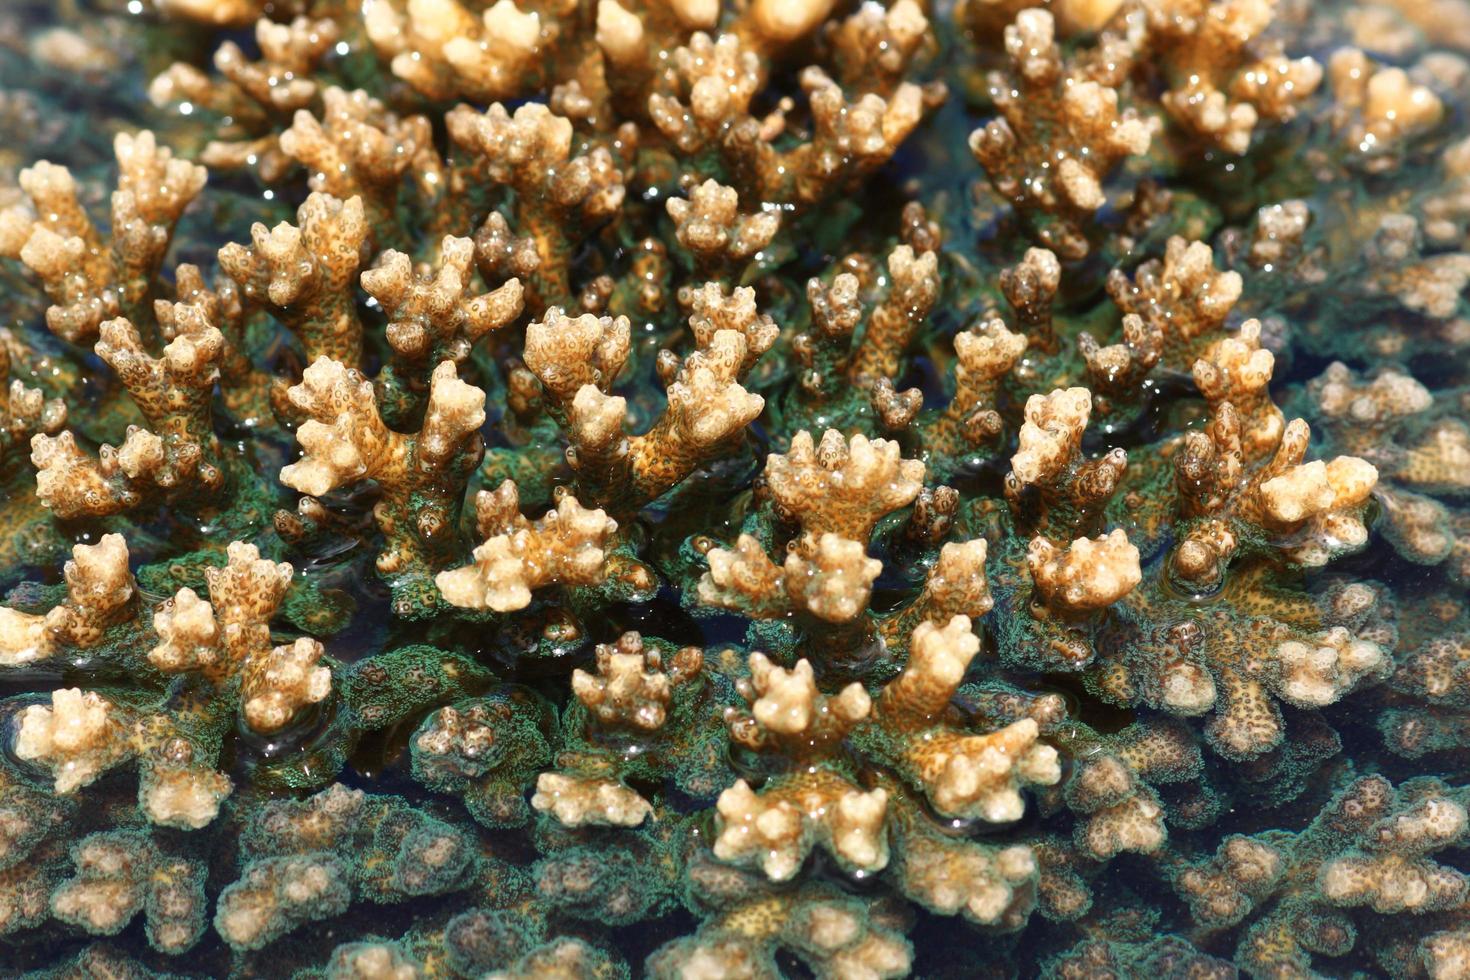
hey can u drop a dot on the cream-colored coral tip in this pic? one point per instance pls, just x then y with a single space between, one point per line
98 576
1136 825
958 580
619 33
1090 573
942 654
782 21
1082 16
989 351
1318 671
187 798
566 353
281 682
1309 489
188 633
981 775
1390 394
73 736
1051 433
1186 689
1446 955
1394 99
835 582
507 25
566 546
23 637
770 830
579 802
788 697
857 828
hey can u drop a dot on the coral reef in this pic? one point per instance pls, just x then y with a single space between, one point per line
691 489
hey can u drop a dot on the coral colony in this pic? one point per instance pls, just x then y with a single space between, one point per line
782 488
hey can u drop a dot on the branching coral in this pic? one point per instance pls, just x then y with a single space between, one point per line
175 454
422 477
254 98
446 52
556 188
1182 297
100 592
735 534
567 547
1060 135
707 411
713 81
304 274
87 279
1223 80
1377 109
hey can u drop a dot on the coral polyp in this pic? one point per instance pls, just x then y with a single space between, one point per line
754 489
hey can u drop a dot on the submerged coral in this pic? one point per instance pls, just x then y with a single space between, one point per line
778 488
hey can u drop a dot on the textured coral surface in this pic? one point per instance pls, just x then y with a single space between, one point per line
735 489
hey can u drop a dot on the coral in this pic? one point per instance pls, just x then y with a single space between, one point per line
303 273
753 489
1378 110
422 476
707 411
556 188
100 592
1049 474
117 876
444 51
714 80
88 280
1223 82
565 547
254 99
175 453
1060 135
275 683
1181 296
709 224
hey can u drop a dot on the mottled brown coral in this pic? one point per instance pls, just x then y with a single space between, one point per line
1060 135
777 827
229 635
1377 110
913 289
305 274
1068 488
87 278
559 190
713 82
24 412
707 408
100 592
633 686
1182 296
839 485
422 476
358 149
445 51
254 98
1223 80
568 546
962 774
831 582
435 315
